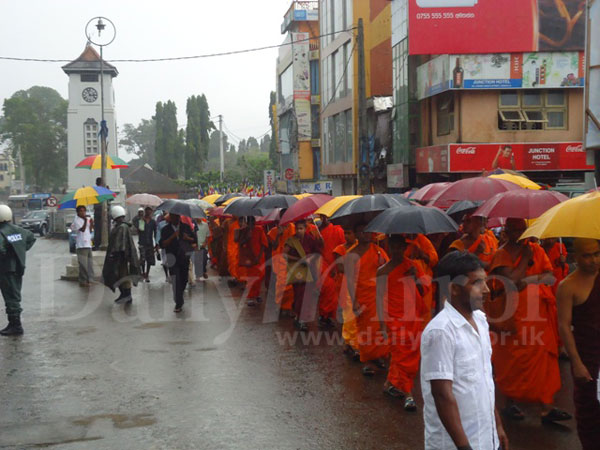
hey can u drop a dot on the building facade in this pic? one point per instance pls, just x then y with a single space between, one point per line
503 101
298 98
7 171
84 117
353 163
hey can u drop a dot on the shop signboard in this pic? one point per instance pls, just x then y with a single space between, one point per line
485 26
433 159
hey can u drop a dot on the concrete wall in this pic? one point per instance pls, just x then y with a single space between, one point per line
476 113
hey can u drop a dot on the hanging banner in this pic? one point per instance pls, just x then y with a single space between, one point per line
487 26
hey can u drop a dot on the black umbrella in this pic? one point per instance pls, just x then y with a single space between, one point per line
412 220
369 204
243 207
182 208
275 201
223 198
462 207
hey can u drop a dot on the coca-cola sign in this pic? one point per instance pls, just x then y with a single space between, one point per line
466 150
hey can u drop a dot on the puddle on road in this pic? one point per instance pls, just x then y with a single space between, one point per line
121 421
179 342
154 351
149 325
205 349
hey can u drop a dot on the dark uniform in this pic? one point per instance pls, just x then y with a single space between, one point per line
14 243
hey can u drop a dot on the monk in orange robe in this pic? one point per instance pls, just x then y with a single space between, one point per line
474 240
401 309
215 241
491 239
284 293
349 329
557 253
233 249
421 250
361 271
333 235
525 350
253 243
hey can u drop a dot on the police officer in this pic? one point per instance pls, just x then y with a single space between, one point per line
14 243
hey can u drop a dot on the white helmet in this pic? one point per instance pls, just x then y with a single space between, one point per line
5 214
117 211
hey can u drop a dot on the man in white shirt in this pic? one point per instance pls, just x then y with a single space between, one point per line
83 244
456 369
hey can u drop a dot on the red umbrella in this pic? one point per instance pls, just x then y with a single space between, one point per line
520 204
304 208
428 191
218 212
272 217
474 189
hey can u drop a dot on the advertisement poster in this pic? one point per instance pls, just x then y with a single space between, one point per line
527 157
303 119
395 176
433 159
269 181
301 63
501 71
491 26
433 77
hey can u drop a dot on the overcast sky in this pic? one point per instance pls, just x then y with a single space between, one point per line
236 86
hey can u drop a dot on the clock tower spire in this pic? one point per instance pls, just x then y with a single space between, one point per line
84 116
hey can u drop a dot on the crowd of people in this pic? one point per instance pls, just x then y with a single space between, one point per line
406 304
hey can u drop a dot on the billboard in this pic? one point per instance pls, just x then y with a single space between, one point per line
494 26
301 66
269 182
528 157
395 176
541 70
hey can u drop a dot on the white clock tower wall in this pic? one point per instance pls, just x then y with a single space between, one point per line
84 116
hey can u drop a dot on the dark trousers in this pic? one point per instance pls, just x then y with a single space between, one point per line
587 408
10 286
305 304
179 277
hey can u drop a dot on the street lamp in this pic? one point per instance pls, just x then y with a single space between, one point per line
102 33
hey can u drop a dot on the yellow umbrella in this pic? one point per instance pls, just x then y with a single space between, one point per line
211 198
334 204
231 200
525 183
577 217
301 196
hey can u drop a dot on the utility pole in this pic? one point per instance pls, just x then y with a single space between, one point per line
222 156
362 102
21 171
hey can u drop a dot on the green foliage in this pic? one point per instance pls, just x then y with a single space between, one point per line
252 166
35 120
141 140
168 149
197 135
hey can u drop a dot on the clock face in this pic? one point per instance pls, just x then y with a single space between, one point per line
90 95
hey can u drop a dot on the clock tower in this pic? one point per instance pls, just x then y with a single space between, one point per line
84 116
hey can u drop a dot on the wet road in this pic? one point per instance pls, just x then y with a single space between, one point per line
92 375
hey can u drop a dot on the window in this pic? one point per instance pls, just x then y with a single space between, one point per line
348 135
314 77
532 110
89 77
445 113
286 84
337 138
90 137
1 177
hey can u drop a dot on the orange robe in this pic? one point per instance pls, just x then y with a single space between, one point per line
284 293
333 235
491 239
404 308
559 270
526 359
233 249
371 343
252 260
426 246
349 330
485 253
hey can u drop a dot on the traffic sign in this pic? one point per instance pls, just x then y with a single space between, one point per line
289 174
51 202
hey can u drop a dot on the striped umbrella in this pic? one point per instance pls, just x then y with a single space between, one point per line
89 195
95 162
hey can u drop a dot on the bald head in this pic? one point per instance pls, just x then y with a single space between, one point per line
587 254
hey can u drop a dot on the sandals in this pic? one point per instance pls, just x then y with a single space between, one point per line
178 309
556 415
513 412
380 363
392 391
410 405
368 371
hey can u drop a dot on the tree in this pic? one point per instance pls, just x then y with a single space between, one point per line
35 121
273 143
252 144
242 147
214 156
265 144
198 130
253 165
169 154
141 140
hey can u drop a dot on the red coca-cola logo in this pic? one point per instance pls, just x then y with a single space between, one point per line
466 150
578 148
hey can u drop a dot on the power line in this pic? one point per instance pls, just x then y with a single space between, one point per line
180 58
